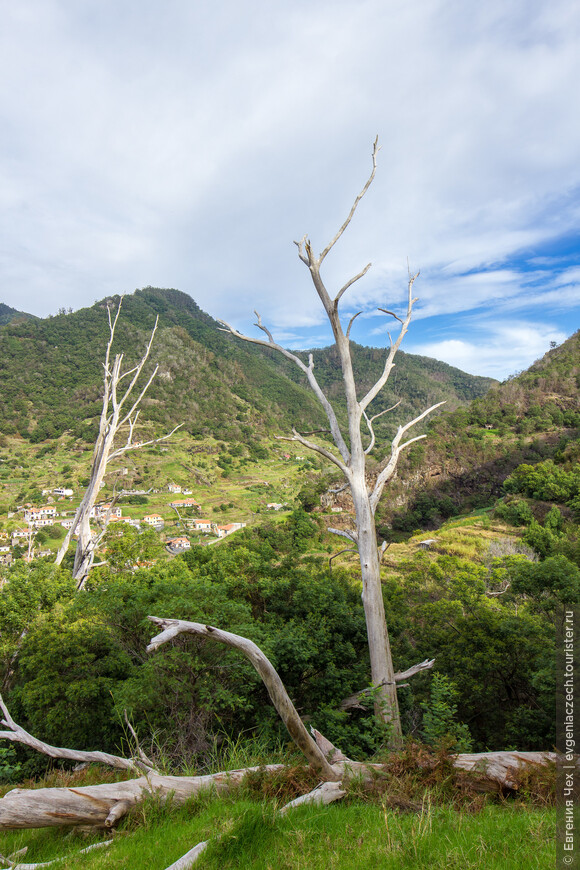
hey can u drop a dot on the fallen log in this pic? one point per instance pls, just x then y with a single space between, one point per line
102 806
270 677
493 771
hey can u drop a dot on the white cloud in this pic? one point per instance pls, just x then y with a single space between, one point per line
188 144
498 351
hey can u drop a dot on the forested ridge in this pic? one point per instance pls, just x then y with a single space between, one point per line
50 373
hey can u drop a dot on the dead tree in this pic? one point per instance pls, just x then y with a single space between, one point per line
120 411
352 452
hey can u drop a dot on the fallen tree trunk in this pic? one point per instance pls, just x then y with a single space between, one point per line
493 771
270 677
102 806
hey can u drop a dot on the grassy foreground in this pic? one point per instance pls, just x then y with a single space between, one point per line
351 836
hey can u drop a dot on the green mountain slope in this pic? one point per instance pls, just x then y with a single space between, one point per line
9 315
471 451
51 373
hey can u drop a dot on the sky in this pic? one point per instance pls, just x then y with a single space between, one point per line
189 143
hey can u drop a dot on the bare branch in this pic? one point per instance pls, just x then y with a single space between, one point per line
142 755
140 446
396 448
317 448
300 245
350 323
340 552
261 326
139 367
279 696
348 284
392 313
345 533
383 549
357 700
370 420
17 734
188 860
355 204
389 363
323 794
308 371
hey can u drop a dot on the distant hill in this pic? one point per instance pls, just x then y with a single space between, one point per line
9 315
51 374
469 453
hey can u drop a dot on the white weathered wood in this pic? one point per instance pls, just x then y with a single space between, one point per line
353 453
270 677
93 805
188 860
114 418
17 734
355 701
91 848
325 793
499 767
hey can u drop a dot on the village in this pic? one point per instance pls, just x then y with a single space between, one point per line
182 515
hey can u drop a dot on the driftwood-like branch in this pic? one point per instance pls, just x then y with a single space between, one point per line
278 694
396 449
316 448
345 533
325 793
17 734
188 860
103 805
20 866
370 420
354 702
349 283
390 361
308 371
501 769
333 242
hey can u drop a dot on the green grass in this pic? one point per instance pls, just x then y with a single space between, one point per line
352 836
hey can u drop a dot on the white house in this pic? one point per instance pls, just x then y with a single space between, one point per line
179 544
34 515
203 525
61 490
228 528
173 487
99 511
154 520
185 503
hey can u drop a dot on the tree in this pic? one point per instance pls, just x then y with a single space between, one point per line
120 410
353 453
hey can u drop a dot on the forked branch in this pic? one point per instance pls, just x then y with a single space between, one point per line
396 448
308 371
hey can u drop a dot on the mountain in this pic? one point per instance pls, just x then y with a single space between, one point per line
469 453
51 374
10 315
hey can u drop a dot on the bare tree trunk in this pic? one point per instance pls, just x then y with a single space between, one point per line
114 418
382 670
351 458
